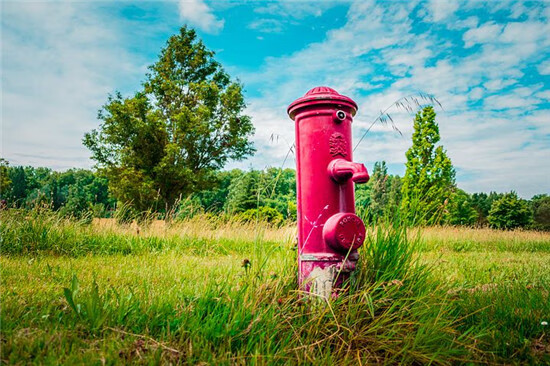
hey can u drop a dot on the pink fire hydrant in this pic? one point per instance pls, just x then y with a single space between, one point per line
329 232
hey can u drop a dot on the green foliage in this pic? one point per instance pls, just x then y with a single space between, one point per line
243 192
460 209
19 190
509 212
541 212
482 203
274 188
379 199
215 198
265 214
166 140
5 181
75 192
430 176
379 190
92 309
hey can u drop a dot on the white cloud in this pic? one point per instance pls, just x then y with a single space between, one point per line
295 9
497 84
476 93
544 95
440 10
200 15
507 101
59 64
482 34
525 32
267 25
544 67
470 22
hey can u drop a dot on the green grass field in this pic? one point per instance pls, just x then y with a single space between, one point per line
100 293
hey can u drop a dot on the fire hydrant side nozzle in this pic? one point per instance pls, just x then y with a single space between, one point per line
329 232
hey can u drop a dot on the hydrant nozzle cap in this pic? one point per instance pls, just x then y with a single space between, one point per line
322 95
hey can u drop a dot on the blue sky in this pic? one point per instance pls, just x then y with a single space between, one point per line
487 62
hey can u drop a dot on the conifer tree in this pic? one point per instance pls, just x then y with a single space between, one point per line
430 177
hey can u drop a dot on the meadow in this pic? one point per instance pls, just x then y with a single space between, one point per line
74 292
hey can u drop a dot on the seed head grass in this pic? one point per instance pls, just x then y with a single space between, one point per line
215 291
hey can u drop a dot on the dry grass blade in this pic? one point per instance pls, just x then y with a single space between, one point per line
405 103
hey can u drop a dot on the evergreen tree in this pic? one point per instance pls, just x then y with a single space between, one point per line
244 192
379 191
430 176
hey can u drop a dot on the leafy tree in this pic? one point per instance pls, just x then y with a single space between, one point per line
5 181
460 209
166 140
509 212
274 188
19 189
430 176
214 199
363 200
541 211
482 203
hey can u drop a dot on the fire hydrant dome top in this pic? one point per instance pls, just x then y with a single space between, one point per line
321 95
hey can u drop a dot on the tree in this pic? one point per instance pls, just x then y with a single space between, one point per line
5 181
394 195
384 192
244 192
482 203
168 139
19 189
460 209
541 211
379 190
430 177
510 212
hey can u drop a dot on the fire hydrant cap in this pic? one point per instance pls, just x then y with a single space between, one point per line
344 231
322 95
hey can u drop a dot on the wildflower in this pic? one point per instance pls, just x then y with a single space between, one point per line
544 323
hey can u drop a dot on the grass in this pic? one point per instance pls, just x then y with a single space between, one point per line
102 293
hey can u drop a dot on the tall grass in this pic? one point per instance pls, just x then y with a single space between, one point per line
73 292
45 232
205 307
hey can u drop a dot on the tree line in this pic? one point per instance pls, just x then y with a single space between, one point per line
267 195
